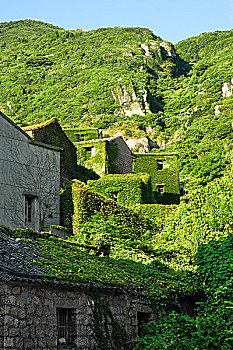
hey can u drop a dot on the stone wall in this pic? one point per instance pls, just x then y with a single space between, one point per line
51 133
30 315
27 170
124 157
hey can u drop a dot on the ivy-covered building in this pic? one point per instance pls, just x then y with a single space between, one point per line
126 189
43 309
50 132
163 170
105 156
78 135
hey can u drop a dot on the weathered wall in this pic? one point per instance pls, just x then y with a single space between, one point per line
27 169
30 316
123 161
2 313
51 133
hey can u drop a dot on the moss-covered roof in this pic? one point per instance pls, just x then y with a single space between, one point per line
74 264
41 125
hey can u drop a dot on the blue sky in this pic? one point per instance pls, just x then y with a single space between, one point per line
173 20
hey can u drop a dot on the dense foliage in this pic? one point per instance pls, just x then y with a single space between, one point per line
82 265
127 189
167 176
74 75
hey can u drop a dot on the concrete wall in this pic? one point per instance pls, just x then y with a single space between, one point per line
30 316
27 170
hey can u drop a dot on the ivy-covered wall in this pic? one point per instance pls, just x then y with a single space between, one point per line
51 133
92 155
79 135
157 212
105 156
167 177
126 189
87 203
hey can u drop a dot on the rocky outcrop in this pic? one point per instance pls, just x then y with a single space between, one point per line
142 145
227 89
146 49
217 110
167 50
130 102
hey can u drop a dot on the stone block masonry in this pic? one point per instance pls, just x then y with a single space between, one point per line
29 315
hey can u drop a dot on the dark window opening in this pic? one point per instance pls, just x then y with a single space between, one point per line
66 326
28 209
159 165
143 319
181 188
160 189
87 149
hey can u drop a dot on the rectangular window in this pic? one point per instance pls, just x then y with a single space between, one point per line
159 165
160 189
143 319
65 326
88 149
28 209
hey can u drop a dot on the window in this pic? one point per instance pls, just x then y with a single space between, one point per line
28 209
65 326
159 165
160 189
181 188
143 319
87 149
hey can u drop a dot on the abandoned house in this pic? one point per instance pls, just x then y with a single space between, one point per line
42 312
51 133
164 173
29 179
105 156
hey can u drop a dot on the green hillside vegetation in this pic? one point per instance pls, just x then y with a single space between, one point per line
48 72
51 72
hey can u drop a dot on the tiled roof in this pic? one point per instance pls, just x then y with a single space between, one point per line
15 256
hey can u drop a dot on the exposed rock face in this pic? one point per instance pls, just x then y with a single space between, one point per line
146 49
167 49
227 89
143 145
130 102
217 109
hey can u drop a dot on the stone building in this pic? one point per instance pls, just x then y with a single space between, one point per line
38 313
50 132
105 156
163 170
29 179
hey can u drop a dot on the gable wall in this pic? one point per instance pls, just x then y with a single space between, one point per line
124 157
27 169
53 134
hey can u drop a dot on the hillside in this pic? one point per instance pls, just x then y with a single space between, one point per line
124 79
80 77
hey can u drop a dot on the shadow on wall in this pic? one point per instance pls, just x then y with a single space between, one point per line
166 198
